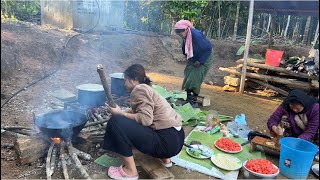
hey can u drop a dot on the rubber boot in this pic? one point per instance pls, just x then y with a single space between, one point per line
183 102
194 100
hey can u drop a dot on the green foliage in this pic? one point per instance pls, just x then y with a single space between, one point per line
21 10
190 10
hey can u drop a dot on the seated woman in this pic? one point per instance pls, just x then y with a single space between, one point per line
151 126
299 115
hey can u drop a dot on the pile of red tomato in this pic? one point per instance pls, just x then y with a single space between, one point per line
261 166
228 144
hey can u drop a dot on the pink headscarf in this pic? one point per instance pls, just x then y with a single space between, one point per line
185 24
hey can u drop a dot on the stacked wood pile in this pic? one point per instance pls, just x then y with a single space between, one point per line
276 78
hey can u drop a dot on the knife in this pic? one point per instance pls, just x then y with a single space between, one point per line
197 150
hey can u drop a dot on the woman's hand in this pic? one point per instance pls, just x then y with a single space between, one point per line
277 130
196 64
114 111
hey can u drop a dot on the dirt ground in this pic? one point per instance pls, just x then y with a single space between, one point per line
29 52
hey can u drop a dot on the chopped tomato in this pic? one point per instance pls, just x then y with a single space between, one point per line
228 144
261 166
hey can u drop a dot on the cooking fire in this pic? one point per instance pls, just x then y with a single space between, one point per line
56 140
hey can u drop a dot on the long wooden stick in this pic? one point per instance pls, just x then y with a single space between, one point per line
93 117
63 161
283 92
48 168
15 127
53 160
95 123
295 83
282 70
81 154
104 82
77 161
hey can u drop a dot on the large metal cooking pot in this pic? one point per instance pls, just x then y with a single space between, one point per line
117 85
91 95
61 123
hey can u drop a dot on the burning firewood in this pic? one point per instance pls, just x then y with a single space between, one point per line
53 160
48 161
63 161
77 161
81 154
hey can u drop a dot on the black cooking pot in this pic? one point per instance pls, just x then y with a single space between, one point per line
61 123
91 95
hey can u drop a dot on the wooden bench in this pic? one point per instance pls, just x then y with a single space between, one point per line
152 166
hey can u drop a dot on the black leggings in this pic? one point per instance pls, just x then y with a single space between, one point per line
122 134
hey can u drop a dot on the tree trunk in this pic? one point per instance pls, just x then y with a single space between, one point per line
287 26
219 22
235 27
269 22
225 23
306 30
296 31
172 27
316 35
273 24
263 25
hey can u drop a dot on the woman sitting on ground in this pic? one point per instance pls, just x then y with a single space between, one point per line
151 126
299 116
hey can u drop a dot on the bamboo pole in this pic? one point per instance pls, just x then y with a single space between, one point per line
247 45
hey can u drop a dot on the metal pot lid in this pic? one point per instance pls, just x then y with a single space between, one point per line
117 75
90 87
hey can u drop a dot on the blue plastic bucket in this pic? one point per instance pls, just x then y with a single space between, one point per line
296 156
117 85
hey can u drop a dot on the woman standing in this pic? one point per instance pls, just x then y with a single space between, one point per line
151 126
198 51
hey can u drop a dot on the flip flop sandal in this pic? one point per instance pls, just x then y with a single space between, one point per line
118 173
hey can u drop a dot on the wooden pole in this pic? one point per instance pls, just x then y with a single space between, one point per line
104 82
247 45
281 91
